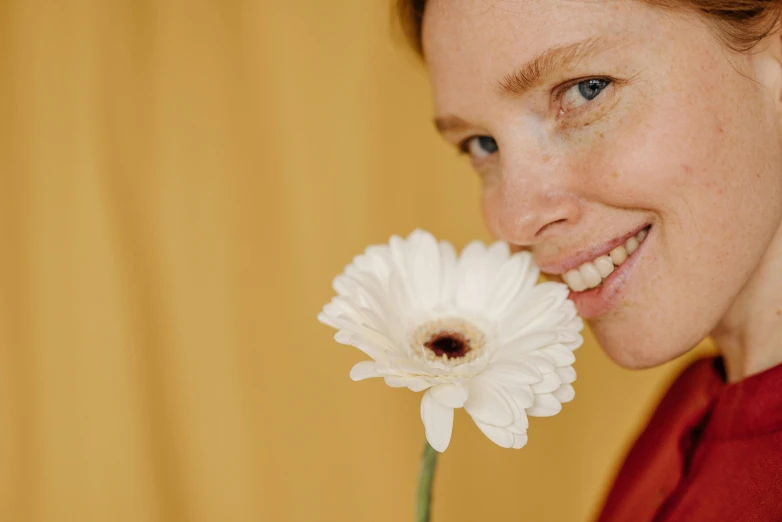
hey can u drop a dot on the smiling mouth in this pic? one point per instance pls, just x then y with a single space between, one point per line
592 273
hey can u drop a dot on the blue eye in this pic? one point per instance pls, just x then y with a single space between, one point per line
487 144
583 92
480 146
589 89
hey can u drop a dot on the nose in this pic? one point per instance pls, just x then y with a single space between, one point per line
532 202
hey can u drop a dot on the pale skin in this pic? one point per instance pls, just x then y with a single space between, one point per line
685 136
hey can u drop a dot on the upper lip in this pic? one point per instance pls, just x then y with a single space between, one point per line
572 260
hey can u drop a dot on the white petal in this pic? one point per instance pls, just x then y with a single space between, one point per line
513 278
401 364
566 374
417 384
395 381
500 436
520 425
560 355
519 441
549 383
522 397
363 370
379 260
576 339
528 344
496 255
541 363
399 298
545 308
412 382
533 363
438 422
546 405
326 319
345 312
447 272
337 307
387 332
396 246
469 280
361 289
529 305
451 395
370 348
512 373
487 403
423 264
565 393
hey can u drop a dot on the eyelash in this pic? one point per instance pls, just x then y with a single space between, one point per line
558 92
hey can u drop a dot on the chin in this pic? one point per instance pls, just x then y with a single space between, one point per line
637 352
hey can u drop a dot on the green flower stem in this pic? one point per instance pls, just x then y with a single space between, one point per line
423 503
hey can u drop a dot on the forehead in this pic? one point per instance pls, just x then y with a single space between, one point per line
472 44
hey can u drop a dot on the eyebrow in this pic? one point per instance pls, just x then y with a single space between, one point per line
547 64
532 73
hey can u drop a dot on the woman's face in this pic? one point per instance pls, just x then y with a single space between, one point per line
589 121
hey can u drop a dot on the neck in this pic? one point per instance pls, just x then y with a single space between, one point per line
749 336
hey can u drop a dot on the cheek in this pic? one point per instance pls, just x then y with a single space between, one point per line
491 208
711 182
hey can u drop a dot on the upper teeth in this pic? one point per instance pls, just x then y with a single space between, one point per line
592 273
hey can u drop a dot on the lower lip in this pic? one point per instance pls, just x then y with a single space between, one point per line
593 303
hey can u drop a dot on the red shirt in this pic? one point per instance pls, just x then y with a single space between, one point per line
711 452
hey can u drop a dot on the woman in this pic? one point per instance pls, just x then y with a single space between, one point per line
634 147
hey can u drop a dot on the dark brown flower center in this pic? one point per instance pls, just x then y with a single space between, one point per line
450 344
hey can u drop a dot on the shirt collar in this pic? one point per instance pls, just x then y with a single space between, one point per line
746 408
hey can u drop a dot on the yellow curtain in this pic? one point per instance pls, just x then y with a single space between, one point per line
179 182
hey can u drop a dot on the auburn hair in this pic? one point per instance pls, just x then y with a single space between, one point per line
740 24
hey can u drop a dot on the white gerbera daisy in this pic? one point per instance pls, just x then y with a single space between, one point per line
473 331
